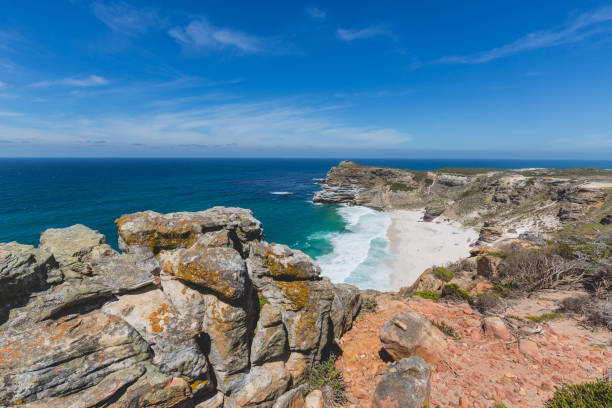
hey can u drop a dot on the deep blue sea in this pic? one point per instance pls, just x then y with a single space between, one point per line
36 194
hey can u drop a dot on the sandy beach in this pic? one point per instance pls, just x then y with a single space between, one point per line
416 245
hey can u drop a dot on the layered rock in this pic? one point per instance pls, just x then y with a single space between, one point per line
198 309
544 199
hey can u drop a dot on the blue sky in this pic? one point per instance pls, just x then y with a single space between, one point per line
360 79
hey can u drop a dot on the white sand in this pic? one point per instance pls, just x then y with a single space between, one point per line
416 245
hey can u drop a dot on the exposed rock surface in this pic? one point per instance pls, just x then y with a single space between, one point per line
405 384
408 334
197 310
542 199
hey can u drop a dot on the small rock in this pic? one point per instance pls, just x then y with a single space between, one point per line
529 348
405 384
496 327
314 399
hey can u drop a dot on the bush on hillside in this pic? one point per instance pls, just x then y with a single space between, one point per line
443 273
326 377
585 395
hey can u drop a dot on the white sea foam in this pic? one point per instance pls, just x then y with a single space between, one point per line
360 253
280 192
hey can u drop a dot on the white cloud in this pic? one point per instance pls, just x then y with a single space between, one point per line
10 114
584 26
316 12
264 124
92 80
202 35
124 18
587 141
368 32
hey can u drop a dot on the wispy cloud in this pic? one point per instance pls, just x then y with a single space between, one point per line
200 34
348 34
263 124
124 18
316 12
84 82
10 114
584 26
587 141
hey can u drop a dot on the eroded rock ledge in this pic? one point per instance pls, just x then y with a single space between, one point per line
196 309
536 200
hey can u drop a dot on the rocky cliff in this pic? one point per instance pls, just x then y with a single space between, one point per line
536 200
197 308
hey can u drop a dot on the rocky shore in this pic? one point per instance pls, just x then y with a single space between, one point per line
196 310
510 201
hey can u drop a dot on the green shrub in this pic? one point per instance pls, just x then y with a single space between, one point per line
399 187
500 405
487 302
262 301
326 377
444 274
585 395
543 317
446 329
453 291
427 294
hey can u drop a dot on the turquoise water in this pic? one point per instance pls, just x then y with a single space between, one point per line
349 243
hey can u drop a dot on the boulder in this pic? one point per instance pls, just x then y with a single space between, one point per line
344 308
405 384
227 329
490 232
433 210
270 339
262 386
172 336
72 246
156 232
314 399
218 269
23 270
281 262
408 334
487 265
427 282
296 364
293 398
59 357
495 326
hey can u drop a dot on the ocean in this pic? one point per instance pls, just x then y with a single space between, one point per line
349 243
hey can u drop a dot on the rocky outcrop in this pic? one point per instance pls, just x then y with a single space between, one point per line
405 384
408 334
198 309
543 198
490 232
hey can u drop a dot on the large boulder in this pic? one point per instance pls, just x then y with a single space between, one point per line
282 262
261 387
408 334
227 328
487 265
23 270
59 357
218 269
156 232
270 339
405 384
72 246
172 336
344 309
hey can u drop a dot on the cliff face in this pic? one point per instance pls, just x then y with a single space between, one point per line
197 308
537 199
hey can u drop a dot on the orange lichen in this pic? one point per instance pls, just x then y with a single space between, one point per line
159 318
198 384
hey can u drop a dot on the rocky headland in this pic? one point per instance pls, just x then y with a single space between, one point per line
198 310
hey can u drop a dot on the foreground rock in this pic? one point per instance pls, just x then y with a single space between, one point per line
197 310
405 384
408 334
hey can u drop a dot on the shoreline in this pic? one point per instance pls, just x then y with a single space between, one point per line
415 245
